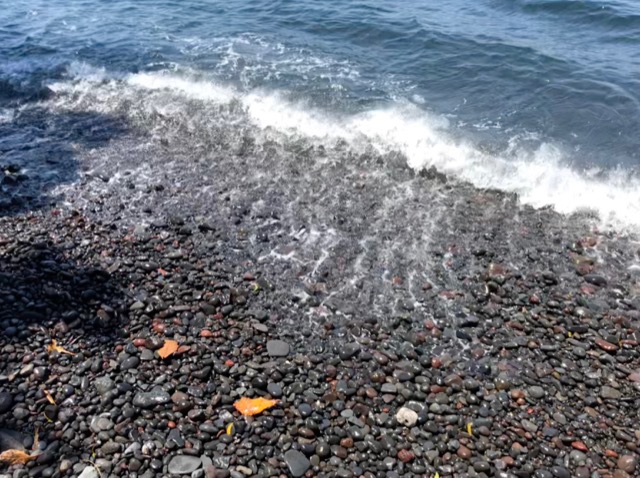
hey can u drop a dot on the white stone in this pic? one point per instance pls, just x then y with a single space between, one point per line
89 472
406 417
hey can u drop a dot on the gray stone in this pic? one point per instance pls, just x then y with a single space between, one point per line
577 456
298 463
12 440
20 413
157 396
536 392
388 388
277 348
129 363
111 447
274 390
6 401
184 464
560 472
103 385
99 424
610 392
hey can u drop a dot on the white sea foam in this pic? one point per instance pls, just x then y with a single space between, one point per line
540 177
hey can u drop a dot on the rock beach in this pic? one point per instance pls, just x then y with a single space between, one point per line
510 363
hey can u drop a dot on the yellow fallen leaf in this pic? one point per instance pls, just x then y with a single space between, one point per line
437 475
470 428
253 406
54 347
169 348
16 457
49 397
230 429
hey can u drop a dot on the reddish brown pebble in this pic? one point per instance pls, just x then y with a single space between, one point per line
140 342
507 460
607 346
405 456
346 442
621 474
578 445
611 454
627 463
371 392
516 394
206 333
634 377
464 453
171 424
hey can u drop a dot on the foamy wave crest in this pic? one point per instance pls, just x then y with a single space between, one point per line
540 177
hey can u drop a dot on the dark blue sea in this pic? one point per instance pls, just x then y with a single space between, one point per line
536 97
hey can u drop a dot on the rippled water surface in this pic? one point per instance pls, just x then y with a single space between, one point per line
535 97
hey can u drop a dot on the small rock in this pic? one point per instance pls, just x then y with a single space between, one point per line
129 363
298 463
99 424
536 392
6 401
463 452
277 348
606 346
184 464
406 417
157 396
610 393
103 385
89 472
628 463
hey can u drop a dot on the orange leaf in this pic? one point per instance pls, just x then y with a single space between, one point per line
169 348
49 397
15 457
253 406
54 347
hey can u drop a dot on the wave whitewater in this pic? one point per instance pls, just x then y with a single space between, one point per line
540 177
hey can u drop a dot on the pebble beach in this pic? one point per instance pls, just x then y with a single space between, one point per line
519 359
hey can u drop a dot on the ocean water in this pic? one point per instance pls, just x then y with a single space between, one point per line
540 98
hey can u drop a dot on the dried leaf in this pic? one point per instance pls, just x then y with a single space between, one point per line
36 440
169 348
470 428
54 347
49 396
253 406
15 457
230 429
